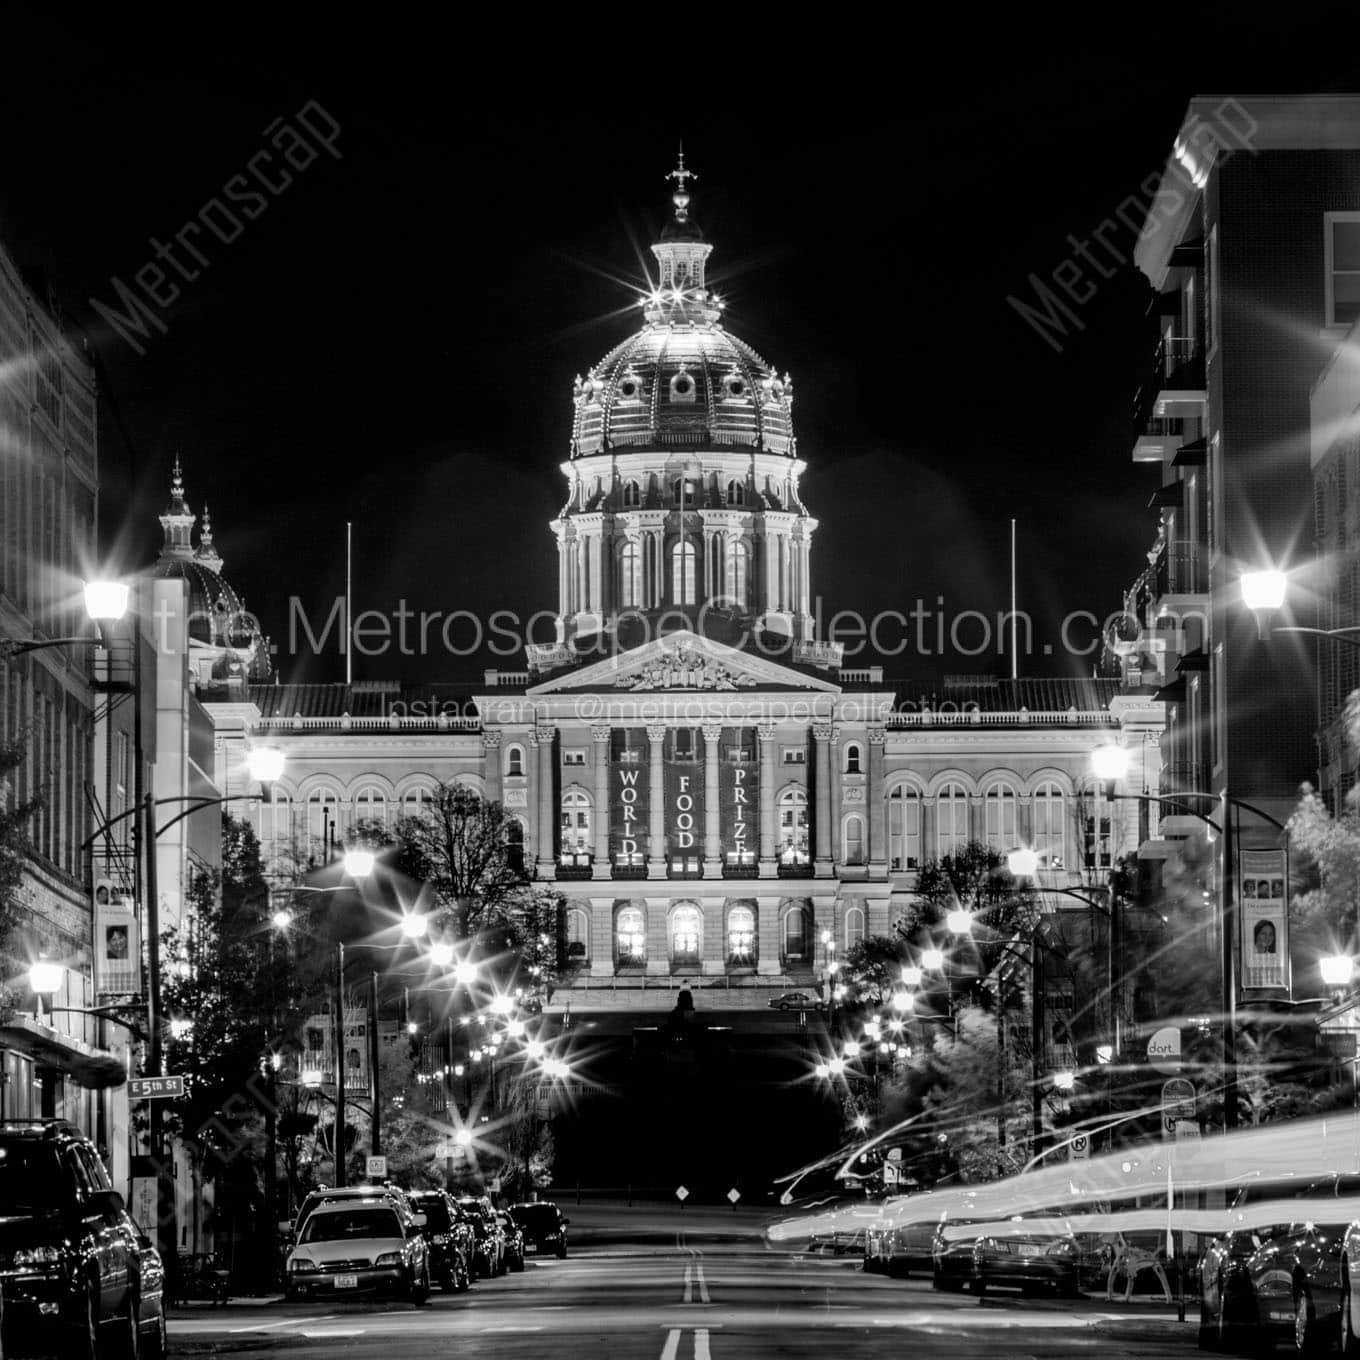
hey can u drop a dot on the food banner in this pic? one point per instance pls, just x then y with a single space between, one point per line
684 784
1263 918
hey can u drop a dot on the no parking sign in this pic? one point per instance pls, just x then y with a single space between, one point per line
1079 1148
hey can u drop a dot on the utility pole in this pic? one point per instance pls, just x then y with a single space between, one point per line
339 1036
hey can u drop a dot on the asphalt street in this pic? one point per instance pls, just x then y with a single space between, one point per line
689 1298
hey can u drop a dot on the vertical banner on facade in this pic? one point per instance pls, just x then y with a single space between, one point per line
739 795
685 796
1263 918
628 785
117 943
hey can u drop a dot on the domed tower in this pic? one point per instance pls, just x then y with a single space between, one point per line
683 503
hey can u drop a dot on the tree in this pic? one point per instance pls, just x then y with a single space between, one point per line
975 879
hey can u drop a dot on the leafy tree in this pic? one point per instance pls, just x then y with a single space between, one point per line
976 880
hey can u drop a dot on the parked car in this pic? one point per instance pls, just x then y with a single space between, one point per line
150 1299
1027 1258
514 1240
951 1258
450 1238
795 1001
1287 1277
490 1237
346 1195
543 1226
77 1272
360 1245
900 1249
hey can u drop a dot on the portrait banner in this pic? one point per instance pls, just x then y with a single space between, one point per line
117 946
1263 919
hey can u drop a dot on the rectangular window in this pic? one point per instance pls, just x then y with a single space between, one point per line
573 757
1342 250
795 755
1217 702
1211 306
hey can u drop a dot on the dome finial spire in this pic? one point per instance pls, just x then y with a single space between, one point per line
177 480
681 176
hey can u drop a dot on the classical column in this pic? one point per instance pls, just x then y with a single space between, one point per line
878 839
768 847
491 765
824 734
544 835
656 798
713 956
712 818
767 936
600 752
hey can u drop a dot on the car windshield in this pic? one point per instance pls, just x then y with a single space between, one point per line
30 1179
343 1223
436 1212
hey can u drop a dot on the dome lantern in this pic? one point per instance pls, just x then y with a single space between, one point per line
177 522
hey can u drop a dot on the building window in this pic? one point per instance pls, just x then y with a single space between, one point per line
741 937
632 495
417 803
630 576
686 932
276 832
578 936
852 759
683 589
738 572
793 827
575 757
999 818
736 493
795 755
1049 816
323 816
370 805
1343 267
514 762
853 840
1096 825
854 926
797 936
951 820
904 829
631 937
575 827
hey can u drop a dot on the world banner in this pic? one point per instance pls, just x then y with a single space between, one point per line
1263 918
628 794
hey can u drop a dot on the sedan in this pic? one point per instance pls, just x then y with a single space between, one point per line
1023 1256
360 1246
543 1225
952 1257
514 1240
488 1234
795 1001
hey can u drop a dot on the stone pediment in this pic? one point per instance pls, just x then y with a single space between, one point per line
683 661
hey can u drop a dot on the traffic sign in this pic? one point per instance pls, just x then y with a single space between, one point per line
155 1088
733 1195
682 1194
376 1168
1164 1049
891 1173
1079 1148
1178 1104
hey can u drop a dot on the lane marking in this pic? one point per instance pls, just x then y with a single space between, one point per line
672 1346
688 1296
703 1284
512 1327
329 1332
701 1343
284 1322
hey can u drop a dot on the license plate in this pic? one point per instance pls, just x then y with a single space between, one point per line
347 1282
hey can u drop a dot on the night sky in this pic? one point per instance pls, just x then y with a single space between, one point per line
393 340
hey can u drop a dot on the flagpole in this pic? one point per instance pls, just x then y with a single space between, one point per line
1014 620
349 581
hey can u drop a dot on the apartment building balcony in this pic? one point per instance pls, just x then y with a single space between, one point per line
1183 776
1178 571
1174 390
1161 436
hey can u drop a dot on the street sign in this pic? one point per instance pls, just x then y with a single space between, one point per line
733 1195
376 1168
155 1088
1079 1148
682 1194
1164 1049
891 1173
1178 1104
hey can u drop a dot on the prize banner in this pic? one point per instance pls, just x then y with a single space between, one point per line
739 795
1263 918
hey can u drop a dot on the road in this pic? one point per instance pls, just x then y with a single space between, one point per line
689 1298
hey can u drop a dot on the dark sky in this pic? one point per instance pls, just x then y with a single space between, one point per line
393 341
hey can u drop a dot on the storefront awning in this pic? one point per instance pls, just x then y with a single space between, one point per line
93 1068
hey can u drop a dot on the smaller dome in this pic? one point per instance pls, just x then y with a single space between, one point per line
216 617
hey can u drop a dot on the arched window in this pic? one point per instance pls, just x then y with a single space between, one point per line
1049 816
854 926
683 590
632 495
370 805
686 933
575 827
514 762
793 827
797 936
630 576
323 831
852 842
276 825
904 829
738 571
951 820
630 937
514 844
578 935
853 758
1097 830
417 802
999 818
741 937
736 493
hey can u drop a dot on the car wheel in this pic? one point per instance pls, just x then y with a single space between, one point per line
978 1285
81 1341
129 1329
156 1343
1350 1344
562 1252
783 1005
1308 1331
462 1275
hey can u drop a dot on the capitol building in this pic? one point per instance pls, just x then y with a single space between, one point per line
710 790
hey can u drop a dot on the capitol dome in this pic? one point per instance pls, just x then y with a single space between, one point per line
682 381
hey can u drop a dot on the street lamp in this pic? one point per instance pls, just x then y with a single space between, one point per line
265 764
1064 1081
959 922
359 862
912 975
1263 592
1337 971
932 959
1022 862
44 978
106 601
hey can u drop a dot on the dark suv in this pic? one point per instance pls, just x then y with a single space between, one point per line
73 1267
543 1226
490 1254
453 1247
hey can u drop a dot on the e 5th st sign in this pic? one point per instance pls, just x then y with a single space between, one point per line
155 1088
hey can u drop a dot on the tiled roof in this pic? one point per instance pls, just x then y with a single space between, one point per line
362 700
1049 695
